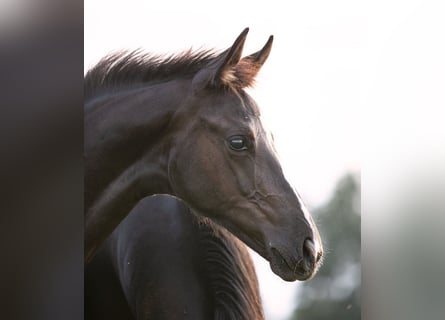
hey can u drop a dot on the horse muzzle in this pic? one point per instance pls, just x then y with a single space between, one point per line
292 265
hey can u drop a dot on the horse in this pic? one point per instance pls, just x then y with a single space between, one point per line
164 262
184 125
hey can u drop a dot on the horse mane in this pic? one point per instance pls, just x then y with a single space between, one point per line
134 67
230 274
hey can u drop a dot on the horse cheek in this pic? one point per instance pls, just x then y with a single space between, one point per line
195 174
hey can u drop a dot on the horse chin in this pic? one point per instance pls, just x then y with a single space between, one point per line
282 268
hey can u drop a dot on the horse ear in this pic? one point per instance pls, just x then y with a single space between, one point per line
221 70
247 69
229 59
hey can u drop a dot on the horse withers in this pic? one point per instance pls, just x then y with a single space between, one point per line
183 125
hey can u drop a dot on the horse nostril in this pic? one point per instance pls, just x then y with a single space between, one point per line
309 251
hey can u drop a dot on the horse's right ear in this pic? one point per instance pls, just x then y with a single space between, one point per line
221 70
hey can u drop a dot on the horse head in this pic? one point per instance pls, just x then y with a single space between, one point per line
224 165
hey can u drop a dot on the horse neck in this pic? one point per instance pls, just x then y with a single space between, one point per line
126 151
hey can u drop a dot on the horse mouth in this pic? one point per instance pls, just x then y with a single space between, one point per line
290 270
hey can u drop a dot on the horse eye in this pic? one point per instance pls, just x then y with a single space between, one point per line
238 143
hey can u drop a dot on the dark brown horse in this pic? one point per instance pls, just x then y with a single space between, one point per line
184 126
163 262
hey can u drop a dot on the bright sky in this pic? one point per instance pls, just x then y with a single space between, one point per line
308 89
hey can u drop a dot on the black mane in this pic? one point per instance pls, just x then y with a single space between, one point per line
230 274
124 68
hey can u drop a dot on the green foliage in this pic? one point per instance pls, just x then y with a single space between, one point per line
334 293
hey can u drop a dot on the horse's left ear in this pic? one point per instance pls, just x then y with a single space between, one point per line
220 70
247 69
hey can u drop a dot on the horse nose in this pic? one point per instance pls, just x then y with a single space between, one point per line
311 251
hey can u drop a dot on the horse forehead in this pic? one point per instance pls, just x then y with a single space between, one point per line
232 110
235 103
249 105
